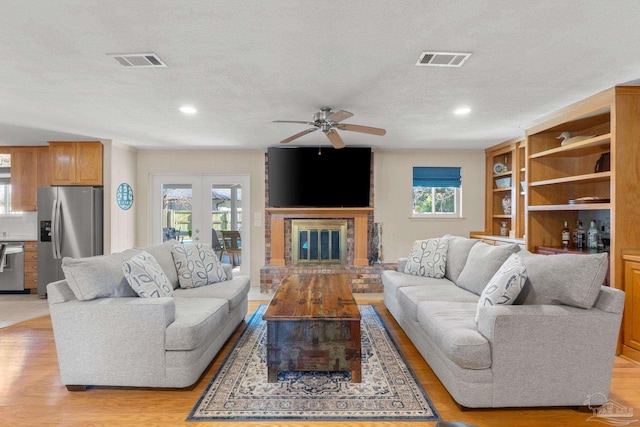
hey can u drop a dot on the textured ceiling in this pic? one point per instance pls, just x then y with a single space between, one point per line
246 63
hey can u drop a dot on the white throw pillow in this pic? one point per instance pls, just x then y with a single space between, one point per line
197 265
428 258
145 276
505 285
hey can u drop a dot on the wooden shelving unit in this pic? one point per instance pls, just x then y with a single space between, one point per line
558 174
511 154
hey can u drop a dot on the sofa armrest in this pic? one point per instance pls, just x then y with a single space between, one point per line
552 350
109 341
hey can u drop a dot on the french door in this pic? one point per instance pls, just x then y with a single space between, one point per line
198 208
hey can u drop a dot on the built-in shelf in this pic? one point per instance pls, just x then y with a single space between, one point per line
567 207
588 146
591 177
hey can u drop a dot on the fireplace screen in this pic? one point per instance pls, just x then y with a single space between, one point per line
319 241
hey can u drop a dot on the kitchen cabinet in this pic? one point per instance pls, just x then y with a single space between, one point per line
43 160
31 266
24 184
76 163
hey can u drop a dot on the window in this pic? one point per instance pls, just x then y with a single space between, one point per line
5 198
436 192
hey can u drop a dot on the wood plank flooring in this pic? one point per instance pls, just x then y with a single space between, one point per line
31 393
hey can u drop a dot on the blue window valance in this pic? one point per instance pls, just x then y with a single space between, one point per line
436 177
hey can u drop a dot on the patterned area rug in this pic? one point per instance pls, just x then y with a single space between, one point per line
389 391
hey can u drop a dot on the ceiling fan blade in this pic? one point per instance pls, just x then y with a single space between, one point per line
298 135
363 129
293 121
335 139
339 116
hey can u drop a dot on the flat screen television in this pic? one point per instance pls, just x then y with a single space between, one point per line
319 177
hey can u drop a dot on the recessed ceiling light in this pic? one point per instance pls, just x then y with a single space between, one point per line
188 109
462 111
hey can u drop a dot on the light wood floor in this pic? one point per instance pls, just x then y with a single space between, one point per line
31 393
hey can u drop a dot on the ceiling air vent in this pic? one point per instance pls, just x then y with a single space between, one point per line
442 59
138 60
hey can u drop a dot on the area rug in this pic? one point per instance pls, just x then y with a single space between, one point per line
389 391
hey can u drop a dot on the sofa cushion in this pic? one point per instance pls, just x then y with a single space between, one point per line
505 286
457 254
393 280
410 296
145 276
98 276
483 262
570 279
427 258
197 319
452 327
197 265
162 254
233 290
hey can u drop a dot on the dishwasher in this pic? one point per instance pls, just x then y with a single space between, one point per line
12 268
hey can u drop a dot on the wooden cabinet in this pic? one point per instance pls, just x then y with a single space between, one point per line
31 265
76 163
631 321
43 163
504 172
24 184
560 174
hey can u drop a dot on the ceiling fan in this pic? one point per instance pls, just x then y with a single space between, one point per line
328 121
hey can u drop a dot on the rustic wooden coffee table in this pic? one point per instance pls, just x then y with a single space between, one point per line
313 324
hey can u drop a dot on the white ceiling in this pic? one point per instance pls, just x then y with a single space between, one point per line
246 63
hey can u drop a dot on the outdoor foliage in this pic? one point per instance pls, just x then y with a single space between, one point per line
433 200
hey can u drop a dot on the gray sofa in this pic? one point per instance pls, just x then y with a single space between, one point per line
108 336
554 346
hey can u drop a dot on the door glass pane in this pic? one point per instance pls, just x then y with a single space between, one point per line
226 214
177 212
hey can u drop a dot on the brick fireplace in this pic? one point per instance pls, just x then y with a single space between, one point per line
359 235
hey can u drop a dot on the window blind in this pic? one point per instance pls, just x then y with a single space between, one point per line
436 176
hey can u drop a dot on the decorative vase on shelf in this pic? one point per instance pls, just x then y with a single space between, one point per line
506 205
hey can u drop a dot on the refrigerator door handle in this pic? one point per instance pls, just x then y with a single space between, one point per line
54 212
58 230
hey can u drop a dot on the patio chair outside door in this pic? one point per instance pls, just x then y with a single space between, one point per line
232 246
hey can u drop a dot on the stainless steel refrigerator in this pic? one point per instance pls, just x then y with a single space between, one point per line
70 225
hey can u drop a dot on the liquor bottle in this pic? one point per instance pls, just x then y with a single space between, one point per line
566 235
580 242
575 234
592 236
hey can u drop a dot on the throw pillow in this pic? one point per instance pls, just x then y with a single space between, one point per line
457 254
98 276
145 276
482 263
427 258
569 279
197 265
162 254
505 286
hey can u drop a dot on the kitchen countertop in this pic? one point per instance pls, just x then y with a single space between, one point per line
18 238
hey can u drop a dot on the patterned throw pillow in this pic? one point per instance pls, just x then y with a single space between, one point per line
505 285
145 276
428 258
197 265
